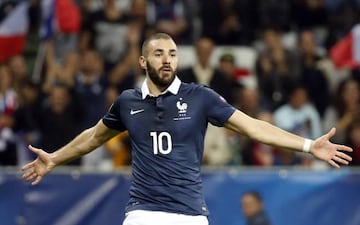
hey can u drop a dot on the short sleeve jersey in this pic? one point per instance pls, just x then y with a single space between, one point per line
167 136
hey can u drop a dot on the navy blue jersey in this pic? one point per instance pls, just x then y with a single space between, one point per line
167 135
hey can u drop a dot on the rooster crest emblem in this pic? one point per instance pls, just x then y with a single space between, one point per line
181 106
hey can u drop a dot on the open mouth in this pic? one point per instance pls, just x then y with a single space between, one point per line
166 69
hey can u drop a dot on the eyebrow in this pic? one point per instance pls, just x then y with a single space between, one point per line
162 50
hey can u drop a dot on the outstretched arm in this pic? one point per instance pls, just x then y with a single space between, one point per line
84 143
266 133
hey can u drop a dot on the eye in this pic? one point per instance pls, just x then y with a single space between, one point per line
157 54
173 55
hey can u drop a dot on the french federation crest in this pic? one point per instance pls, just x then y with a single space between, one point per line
182 106
182 110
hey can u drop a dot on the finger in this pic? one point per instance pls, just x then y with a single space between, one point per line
330 133
334 164
37 180
344 156
344 148
28 173
34 150
27 166
30 177
340 160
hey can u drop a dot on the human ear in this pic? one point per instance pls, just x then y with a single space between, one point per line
142 62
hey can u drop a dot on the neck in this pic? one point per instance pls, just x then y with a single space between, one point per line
155 89
88 78
204 65
112 12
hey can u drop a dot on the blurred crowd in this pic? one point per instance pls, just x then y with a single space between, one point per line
294 84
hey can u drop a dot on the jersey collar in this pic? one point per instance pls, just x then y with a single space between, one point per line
173 88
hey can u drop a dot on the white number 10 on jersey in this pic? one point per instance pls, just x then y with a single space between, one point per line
158 142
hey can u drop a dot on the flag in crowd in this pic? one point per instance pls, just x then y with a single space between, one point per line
59 16
14 23
346 52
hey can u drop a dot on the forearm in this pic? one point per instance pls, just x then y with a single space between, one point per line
84 143
264 132
267 133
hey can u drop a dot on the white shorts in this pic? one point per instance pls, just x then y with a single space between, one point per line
144 217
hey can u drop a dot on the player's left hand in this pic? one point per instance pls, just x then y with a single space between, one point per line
329 152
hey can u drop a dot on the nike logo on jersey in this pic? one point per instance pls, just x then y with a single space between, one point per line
133 112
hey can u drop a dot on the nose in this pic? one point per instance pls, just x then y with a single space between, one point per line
165 59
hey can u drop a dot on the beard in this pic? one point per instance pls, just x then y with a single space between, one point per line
155 77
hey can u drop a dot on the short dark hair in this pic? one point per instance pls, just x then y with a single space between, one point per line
255 194
227 57
155 36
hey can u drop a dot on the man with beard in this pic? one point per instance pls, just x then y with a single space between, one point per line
166 120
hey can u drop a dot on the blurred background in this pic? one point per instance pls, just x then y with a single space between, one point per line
293 63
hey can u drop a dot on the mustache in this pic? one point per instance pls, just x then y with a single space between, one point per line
166 67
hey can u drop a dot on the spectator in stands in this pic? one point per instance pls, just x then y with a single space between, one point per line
311 77
18 70
353 140
216 147
276 69
63 73
89 85
172 17
8 105
248 100
301 118
107 31
135 7
253 209
202 72
27 117
245 150
231 81
126 73
234 23
60 119
344 109
309 14
274 13
138 9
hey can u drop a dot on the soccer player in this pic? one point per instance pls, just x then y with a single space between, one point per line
166 120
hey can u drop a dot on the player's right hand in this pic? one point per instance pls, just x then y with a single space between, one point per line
34 171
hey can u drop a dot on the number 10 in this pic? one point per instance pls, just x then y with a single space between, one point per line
158 145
